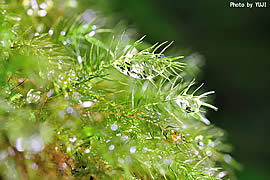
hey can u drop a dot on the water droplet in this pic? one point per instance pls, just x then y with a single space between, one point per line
111 147
114 127
35 143
19 144
87 150
79 58
50 32
33 96
72 139
199 138
70 110
182 103
211 144
209 153
221 175
132 149
227 158
201 145
69 41
30 12
39 28
36 34
50 93
43 5
42 13
34 166
87 104
34 4
64 165
61 77
91 34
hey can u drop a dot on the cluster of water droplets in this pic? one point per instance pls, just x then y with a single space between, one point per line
206 148
127 66
38 9
93 31
66 41
34 144
33 96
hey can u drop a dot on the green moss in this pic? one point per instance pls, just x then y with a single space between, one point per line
81 99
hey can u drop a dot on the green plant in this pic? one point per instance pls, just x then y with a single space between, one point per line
81 100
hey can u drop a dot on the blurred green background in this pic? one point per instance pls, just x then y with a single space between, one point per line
235 45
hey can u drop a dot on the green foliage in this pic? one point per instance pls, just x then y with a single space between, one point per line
80 100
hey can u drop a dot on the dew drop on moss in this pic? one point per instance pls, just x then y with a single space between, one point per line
132 149
43 5
111 147
87 150
87 104
91 34
50 32
42 13
201 145
33 96
114 127
227 158
221 175
19 144
72 139
211 144
199 138
208 153
34 166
